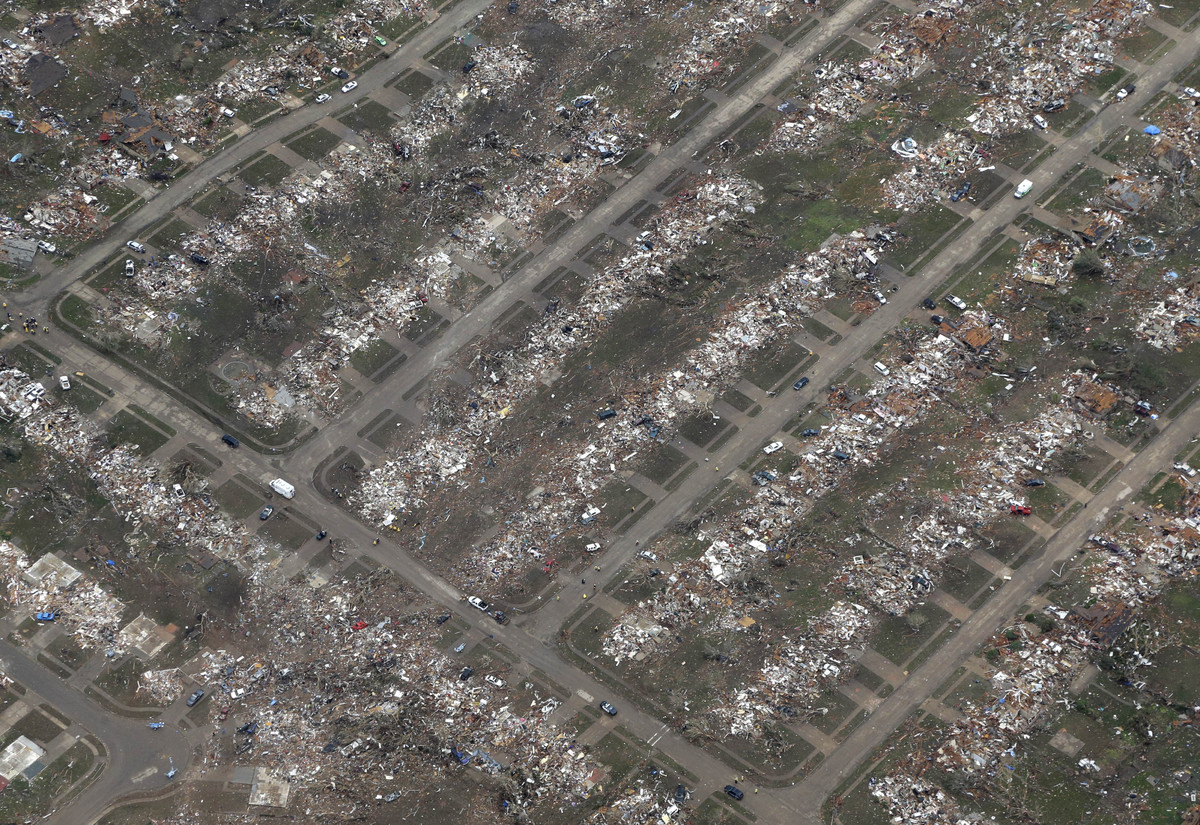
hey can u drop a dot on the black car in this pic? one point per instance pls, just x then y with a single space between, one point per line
199 259
196 696
735 792
608 708
445 617
801 384
230 440
266 513
928 303
936 320
681 793
809 433
341 74
465 674
321 535
500 617
1035 482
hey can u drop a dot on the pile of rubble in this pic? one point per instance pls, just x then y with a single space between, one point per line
161 686
1172 322
934 170
82 608
1046 261
400 485
342 694
910 798
137 493
1024 78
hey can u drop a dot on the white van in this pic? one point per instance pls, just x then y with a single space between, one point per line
1023 188
283 488
881 369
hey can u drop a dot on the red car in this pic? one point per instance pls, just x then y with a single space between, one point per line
1020 509
359 625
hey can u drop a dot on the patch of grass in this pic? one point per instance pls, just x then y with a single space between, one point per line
1143 44
663 463
897 638
168 236
288 532
368 117
76 311
238 499
37 726
923 230
24 798
413 83
313 144
268 171
127 428
219 204
371 358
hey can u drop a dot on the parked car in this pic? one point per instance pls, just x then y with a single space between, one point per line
494 681
1143 408
379 41
1126 91
773 447
477 602
442 619
936 320
321 535
350 87
465 673
928 303
136 246
339 73
647 555
878 296
129 268
1020 509
810 432
500 617
322 98
45 616
1040 122
178 490
801 384
266 512
961 192
1023 188
956 302
47 247
608 708
199 259
230 440
735 792
64 382
1034 482
1190 92
196 696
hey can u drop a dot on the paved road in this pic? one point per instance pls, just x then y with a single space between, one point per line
36 298
133 749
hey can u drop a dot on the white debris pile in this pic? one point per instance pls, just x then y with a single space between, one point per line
1046 261
104 14
1028 690
1031 68
910 799
894 582
257 405
250 78
134 488
400 485
81 606
1132 567
642 628
20 396
718 36
161 686
1172 322
797 670
497 66
336 667
934 169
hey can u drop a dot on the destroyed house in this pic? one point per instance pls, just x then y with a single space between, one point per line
42 72
1132 194
1103 623
1096 399
62 29
976 338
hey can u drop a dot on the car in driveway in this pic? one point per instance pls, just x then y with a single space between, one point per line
801 384
810 432
478 603
64 382
196 696
45 616
928 303
350 87
500 617
773 447
1126 91
322 98
494 681
466 673
266 512
1020 509
734 792
129 268
608 708
136 246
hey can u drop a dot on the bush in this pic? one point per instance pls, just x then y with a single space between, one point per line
1088 265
